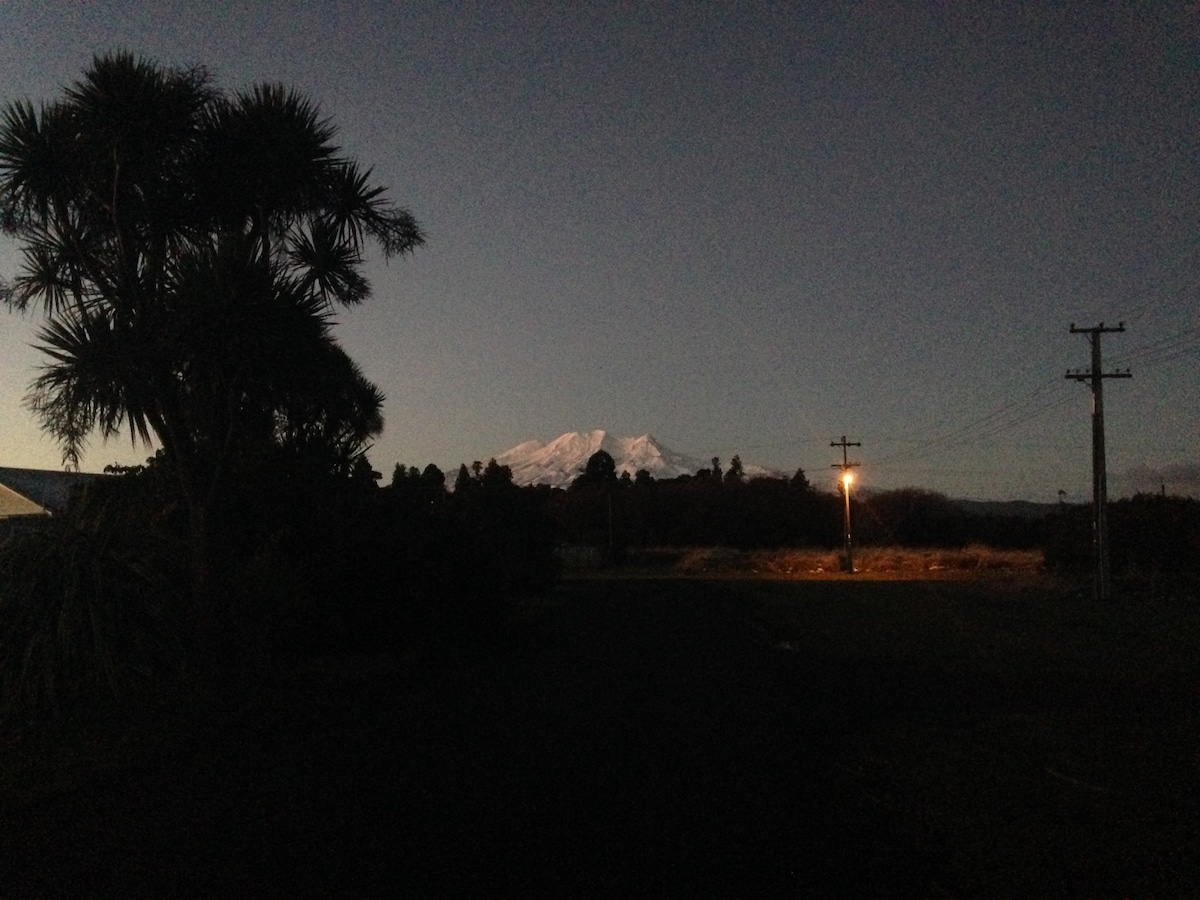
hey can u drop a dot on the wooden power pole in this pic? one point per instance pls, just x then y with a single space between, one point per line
1103 588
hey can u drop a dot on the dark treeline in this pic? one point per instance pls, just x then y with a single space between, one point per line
1150 537
1154 537
728 509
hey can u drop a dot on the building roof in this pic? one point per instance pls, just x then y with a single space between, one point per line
31 491
13 504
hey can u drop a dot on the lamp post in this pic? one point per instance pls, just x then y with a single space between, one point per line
847 478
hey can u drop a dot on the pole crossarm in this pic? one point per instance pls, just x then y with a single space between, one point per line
845 464
1094 336
1077 375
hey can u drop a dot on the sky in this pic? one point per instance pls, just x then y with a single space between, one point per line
744 228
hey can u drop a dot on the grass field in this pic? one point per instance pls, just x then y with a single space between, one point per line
1030 743
678 737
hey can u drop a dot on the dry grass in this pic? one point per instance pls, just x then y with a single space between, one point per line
885 560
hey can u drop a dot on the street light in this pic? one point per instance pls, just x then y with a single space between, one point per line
847 479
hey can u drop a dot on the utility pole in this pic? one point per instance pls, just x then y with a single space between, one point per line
1103 589
847 477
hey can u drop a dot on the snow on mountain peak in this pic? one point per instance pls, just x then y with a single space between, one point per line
559 462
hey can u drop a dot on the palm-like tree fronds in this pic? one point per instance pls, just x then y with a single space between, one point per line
266 154
100 377
359 211
46 276
32 164
328 264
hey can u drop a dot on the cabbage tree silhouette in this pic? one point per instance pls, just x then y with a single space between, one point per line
187 248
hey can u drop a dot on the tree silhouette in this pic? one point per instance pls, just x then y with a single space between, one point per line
735 473
600 468
362 473
495 474
187 248
463 481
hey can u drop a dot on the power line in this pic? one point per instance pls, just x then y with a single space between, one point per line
1023 409
1008 416
1164 349
1027 407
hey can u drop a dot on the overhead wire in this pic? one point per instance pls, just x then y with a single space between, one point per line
1023 409
1164 349
1008 415
1169 271
1034 403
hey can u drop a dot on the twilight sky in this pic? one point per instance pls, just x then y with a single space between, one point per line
743 228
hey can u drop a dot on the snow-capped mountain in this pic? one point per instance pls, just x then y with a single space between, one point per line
559 462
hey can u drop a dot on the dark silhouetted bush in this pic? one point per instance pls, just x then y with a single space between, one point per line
89 614
1150 537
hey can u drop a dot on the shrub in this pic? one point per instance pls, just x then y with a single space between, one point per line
85 620
1150 538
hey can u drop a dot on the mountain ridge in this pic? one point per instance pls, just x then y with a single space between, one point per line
559 461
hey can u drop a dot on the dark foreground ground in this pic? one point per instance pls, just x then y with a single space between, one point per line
681 738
